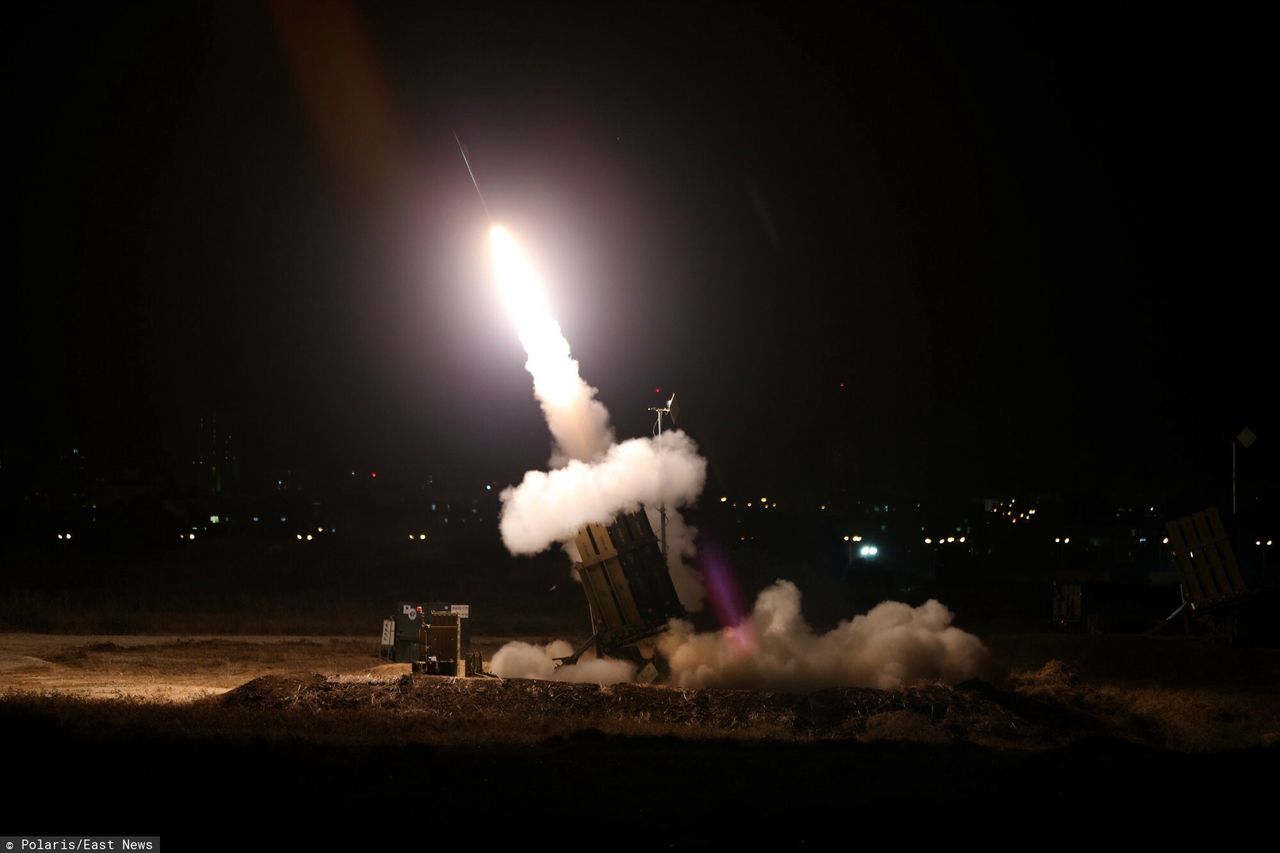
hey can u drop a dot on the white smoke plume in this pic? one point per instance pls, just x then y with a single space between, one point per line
525 660
579 423
549 506
680 553
592 478
892 645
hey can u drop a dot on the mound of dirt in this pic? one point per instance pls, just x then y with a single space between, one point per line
1054 676
14 662
934 713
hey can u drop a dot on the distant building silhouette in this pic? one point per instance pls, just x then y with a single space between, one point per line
216 468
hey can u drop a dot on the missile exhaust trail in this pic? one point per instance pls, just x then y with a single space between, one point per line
462 149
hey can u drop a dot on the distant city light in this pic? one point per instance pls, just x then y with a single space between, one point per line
319 530
309 537
951 539
723 499
928 541
1066 541
373 474
214 519
191 536
422 536
1057 539
824 506
299 535
488 487
961 538
857 538
845 538
1164 541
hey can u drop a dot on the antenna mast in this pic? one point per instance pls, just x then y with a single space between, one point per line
671 410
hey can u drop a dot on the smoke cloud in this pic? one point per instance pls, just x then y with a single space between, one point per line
579 423
525 660
592 478
680 553
892 645
549 506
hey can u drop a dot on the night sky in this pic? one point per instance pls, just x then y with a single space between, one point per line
962 249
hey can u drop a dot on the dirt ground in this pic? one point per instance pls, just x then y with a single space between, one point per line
1128 738
174 668
1172 693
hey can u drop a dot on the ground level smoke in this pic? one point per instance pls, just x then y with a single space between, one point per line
774 648
525 660
892 645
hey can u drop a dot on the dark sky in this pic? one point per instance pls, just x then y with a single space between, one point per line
1034 241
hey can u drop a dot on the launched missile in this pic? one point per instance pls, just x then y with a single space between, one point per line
462 149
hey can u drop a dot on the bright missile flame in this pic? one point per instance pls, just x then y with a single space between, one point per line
578 422
555 374
592 478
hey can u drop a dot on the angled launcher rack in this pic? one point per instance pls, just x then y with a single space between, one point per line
1212 586
629 590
